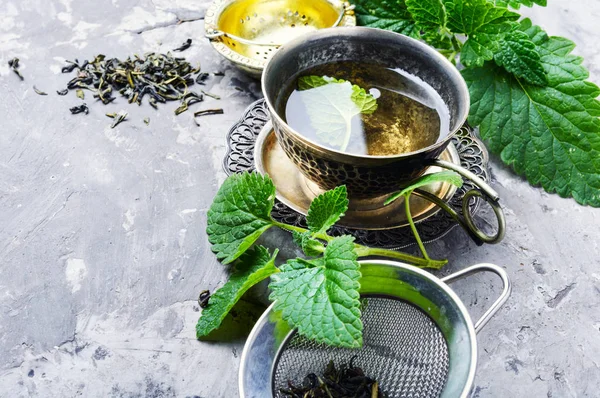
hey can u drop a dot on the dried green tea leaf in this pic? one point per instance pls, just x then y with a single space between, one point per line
252 267
147 120
62 92
208 112
326 209
13 64
83 108
118 118
184 46
550 134
239 214
80 94
215 96
39 92
320 297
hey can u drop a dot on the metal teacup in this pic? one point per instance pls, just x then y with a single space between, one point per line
365 176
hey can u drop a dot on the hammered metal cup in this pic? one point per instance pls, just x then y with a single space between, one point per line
370 178
365 176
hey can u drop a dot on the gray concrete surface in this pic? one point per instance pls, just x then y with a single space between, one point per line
102 242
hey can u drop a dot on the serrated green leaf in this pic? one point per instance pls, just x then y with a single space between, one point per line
551 134
326 209
443 176
478 16
478 48
252 267
332 104
310 246
386 14
320 297
518 3
239 214
483 23
518 55
429 15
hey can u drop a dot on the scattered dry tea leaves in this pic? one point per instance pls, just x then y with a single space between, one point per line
118 117
39 92
14 65
184 46
83 108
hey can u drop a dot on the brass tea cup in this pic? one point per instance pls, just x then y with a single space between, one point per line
369 178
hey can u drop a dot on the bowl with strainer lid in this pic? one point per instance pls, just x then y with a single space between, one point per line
418 340
248 32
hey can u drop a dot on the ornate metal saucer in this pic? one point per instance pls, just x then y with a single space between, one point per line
467 151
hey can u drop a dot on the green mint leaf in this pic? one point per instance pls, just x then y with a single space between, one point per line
518 3
239 214
518 55
310 246
429 15
386 14
483 23
320 297
326 209
331 105
443 176
478 48
551 134
252 267
478 16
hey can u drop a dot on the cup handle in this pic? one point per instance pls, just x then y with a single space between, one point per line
506 288
485 192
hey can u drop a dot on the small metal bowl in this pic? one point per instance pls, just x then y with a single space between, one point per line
248 32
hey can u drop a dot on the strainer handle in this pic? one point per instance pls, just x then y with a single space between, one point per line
485 267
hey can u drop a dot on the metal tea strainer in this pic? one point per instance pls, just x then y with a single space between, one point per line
419 340
247 32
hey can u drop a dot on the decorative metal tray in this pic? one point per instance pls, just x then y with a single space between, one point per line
241 140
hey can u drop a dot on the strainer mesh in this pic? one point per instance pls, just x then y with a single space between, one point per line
403 350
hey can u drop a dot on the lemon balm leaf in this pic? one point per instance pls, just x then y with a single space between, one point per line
252 267
549 134
320 297
240 214
326 209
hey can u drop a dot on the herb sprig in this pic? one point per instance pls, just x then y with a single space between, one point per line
318 295
529 96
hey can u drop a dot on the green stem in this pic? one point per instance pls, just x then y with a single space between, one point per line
292 228
413 227
364 251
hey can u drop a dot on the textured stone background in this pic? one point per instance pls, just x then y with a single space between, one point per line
102 243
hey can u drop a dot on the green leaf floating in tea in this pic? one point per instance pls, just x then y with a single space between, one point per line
331 104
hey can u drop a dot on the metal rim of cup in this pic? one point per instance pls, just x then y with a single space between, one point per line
352 32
